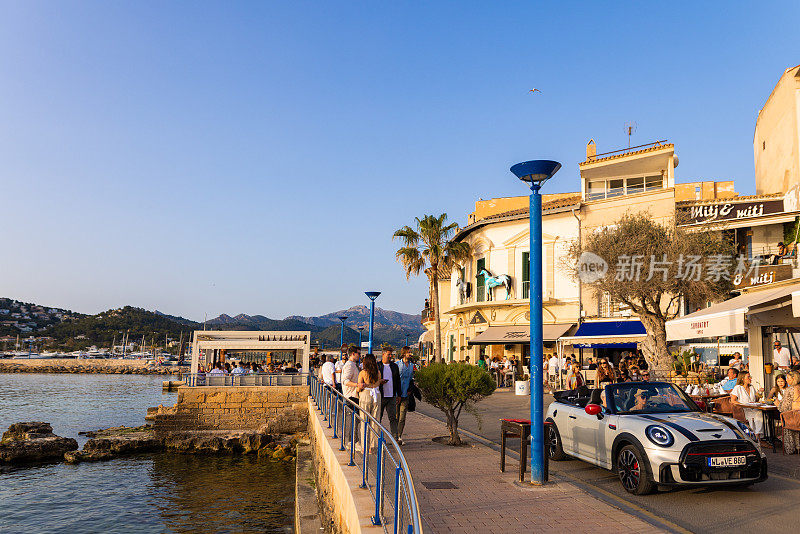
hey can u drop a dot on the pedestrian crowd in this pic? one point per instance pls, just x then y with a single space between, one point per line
378 388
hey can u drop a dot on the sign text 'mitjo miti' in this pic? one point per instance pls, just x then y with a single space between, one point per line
726 211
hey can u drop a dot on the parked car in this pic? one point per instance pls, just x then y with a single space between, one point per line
652 434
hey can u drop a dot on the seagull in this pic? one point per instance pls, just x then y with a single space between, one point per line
534 91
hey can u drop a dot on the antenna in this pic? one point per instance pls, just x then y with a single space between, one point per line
630 128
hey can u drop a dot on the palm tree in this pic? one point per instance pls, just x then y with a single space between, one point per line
428 248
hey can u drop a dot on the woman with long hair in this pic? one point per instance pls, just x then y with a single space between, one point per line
575 378
778 391
369 392
791 439
604 372
744 393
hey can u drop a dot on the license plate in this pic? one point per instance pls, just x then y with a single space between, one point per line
726 461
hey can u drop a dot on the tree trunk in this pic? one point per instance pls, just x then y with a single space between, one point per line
452 426
654 347
437 326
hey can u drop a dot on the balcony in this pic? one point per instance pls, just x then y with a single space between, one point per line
526 289
426 315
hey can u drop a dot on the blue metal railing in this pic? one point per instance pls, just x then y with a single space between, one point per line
255 379
395 499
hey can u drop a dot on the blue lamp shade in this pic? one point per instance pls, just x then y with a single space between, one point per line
535 171
372 294
343 318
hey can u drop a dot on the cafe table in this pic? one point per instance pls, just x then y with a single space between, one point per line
769 414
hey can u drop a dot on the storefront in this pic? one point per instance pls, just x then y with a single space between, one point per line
516 338
763 314
604 339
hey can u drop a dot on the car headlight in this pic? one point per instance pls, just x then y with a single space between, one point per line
659 435
747 432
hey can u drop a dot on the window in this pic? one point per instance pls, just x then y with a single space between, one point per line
597 190
609 307
616 188
653 182
452 347
480 281
635 185
526 275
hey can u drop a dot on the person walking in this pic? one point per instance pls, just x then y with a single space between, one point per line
328 372
390 390
369 394
350 375
406 367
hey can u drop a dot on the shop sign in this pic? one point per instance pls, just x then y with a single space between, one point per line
727 211
762 276
517 334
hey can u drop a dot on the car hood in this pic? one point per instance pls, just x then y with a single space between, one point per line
700 425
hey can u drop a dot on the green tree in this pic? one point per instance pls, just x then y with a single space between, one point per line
452 388
428 248
649 270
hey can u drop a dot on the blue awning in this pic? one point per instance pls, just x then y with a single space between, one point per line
607 334
610 328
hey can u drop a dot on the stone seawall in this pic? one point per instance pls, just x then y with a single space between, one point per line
74 365
271 409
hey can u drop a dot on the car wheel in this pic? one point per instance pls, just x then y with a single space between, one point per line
554 450
633 472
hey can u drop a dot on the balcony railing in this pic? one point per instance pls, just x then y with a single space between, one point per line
526 289
384 470
426 315
256 379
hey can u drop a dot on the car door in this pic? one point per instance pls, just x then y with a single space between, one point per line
565 416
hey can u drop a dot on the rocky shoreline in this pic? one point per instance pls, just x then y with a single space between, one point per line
89 368
34 442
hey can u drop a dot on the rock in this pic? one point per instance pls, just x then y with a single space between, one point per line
33 442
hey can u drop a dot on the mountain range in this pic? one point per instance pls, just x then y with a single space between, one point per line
75 330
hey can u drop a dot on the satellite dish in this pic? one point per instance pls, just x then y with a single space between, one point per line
630 129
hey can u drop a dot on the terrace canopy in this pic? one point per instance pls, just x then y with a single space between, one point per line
517 334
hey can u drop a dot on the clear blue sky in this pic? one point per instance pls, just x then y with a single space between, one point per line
201 158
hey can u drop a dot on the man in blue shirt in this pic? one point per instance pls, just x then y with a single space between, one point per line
406 367
730 382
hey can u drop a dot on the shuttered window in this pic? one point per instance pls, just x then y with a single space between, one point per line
480 281
526 275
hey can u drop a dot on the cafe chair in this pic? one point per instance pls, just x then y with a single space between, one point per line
723 406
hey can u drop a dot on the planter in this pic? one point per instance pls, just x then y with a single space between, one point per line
768 368
522 387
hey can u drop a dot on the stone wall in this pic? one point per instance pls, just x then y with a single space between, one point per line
344 507
270 409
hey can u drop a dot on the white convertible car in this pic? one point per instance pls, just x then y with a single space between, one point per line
652 434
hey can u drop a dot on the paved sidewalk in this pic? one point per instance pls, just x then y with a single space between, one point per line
486 500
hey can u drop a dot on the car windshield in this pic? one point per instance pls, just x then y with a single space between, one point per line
643 397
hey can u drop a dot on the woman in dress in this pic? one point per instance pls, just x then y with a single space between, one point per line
791 439
744 393
369 393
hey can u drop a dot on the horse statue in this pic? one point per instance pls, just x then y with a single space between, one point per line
463 290
495 281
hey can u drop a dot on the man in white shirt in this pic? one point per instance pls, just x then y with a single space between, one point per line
781 356
239 369
350 376
553 368
328 372
338 366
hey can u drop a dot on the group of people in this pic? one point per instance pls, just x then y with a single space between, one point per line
567 372
502 369
378 388
249 368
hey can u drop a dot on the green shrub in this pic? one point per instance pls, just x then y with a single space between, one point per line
452 388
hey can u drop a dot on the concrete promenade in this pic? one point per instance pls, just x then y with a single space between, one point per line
486 500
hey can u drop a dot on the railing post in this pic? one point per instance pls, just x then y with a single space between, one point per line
335 399
365 446
330 408
397 498
378 473
352 437
344 420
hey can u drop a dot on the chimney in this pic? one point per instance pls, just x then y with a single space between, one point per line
591 150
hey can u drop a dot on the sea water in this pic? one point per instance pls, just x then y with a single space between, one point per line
142 493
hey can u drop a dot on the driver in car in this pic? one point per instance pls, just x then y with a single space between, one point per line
641 401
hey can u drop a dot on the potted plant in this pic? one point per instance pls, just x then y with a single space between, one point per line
522 384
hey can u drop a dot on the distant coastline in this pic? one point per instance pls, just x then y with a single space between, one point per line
97 366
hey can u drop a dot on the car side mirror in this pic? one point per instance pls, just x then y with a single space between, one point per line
594 409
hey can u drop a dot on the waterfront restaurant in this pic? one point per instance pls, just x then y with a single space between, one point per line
217 346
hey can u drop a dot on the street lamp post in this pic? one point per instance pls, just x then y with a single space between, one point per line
342 318
372 295
535 173
406 340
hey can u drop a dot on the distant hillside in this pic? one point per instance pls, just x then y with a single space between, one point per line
78 331
106 326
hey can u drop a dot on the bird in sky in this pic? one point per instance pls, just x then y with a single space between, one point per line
534 91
